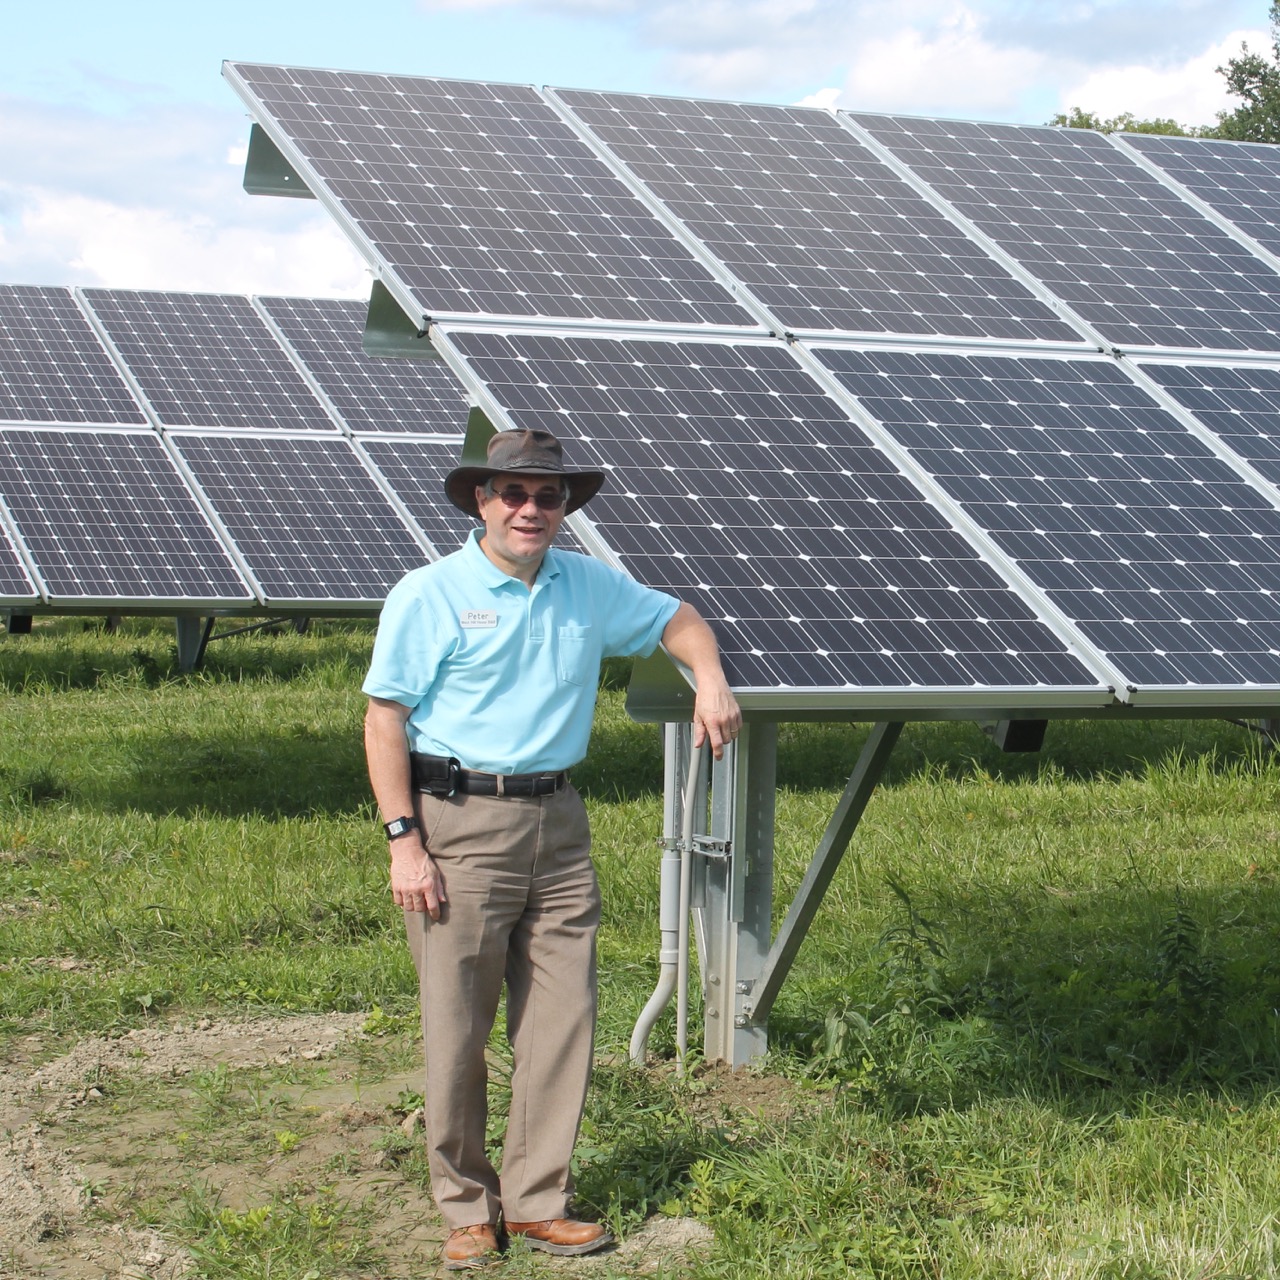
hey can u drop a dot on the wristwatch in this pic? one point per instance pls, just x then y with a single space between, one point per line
400 827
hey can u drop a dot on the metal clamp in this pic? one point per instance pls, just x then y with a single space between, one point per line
712 847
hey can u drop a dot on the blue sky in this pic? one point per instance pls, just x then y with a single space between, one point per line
121 146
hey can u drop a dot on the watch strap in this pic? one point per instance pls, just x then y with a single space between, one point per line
398 827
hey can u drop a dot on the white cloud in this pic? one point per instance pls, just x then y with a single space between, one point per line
1189 92
953 70
996 58
825 99
153 199
88 241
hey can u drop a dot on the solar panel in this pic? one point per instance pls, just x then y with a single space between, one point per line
738 484
479 198
1240 404
53 367
15 586
207 360
1239 180
370 394
305 514
106 516
1162 556
1124 251
415 470
819 228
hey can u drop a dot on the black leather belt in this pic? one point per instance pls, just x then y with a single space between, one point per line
510 784
443 776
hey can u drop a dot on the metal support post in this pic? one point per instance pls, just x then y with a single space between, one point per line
739 893
827 857
193 637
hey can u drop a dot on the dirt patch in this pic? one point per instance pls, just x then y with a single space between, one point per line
50 1177
238 1114
721 1091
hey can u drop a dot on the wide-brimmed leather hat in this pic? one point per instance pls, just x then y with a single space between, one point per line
531 453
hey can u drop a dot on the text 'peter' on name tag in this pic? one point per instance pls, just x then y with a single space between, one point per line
479 618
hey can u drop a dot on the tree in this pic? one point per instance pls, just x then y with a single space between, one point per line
1127 122
1256 81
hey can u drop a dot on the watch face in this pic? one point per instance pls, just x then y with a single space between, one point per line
400 827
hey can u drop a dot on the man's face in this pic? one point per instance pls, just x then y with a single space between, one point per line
517 530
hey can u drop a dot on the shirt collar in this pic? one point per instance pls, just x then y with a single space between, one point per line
492 577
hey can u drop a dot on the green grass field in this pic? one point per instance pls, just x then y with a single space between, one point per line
1035 1030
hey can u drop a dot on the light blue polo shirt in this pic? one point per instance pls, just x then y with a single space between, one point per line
502 677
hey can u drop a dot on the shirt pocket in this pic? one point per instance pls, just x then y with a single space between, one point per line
573 654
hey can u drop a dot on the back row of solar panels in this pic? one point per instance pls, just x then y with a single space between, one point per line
484 200
161 450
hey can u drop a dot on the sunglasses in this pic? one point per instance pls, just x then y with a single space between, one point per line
514 498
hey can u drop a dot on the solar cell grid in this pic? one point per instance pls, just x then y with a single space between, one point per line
15 586
106 516
1239 180
1165 559
305 514
481 200
820 229
207 360
53 368
1124 251
735 482
415 470
370 394
1240 404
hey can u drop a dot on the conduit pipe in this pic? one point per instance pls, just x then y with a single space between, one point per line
674 894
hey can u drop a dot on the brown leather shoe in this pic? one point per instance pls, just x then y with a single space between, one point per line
564 1236
468 1248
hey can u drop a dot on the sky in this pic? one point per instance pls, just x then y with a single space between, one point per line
122 148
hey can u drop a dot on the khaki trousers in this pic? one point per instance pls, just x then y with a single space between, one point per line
523 907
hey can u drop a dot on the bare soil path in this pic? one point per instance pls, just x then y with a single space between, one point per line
101 1138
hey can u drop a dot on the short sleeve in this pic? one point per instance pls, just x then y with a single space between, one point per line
636 617
407 650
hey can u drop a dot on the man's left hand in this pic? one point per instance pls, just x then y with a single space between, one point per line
717 718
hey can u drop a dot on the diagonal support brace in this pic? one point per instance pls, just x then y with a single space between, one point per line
826 859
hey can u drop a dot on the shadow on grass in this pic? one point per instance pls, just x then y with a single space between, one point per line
821 756
1043 996
292 773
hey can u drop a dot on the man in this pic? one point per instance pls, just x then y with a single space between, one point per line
481 695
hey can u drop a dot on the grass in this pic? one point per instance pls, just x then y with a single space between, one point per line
1034 1031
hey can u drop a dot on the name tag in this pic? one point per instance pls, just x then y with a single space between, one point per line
479 618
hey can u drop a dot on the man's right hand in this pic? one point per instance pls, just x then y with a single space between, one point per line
416 882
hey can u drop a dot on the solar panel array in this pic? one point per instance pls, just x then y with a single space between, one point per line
306 515
819 229
737 484
1162 556
165 451
385 396
910 459
107 517
482 200
206 360
1239 180
52 368
1126 252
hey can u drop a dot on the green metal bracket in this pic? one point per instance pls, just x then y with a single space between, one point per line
475 445
268 173
658 693
388 331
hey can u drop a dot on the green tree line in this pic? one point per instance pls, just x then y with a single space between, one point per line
1253 78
